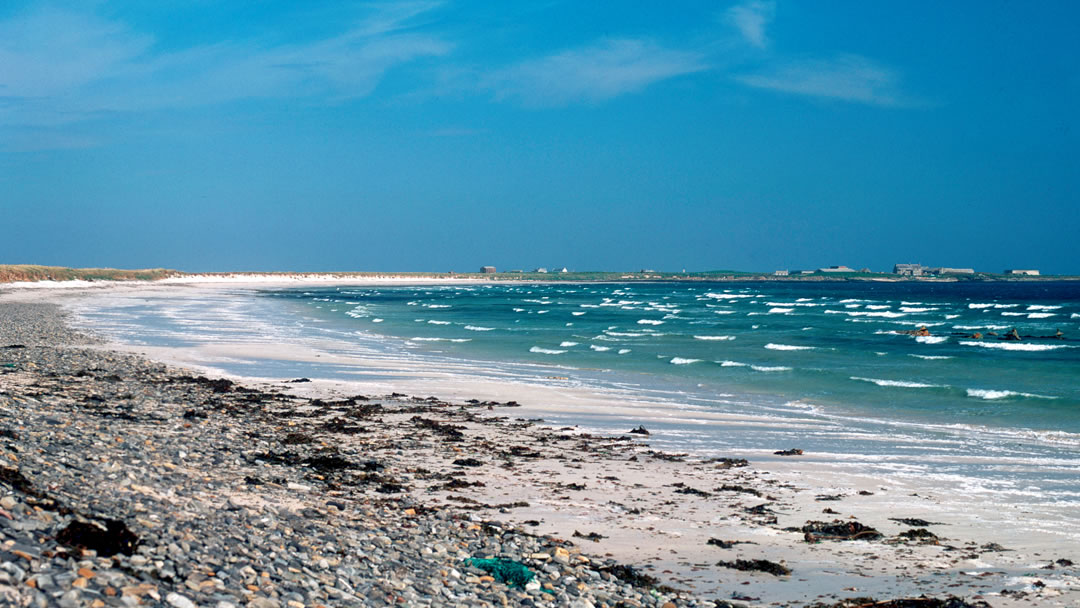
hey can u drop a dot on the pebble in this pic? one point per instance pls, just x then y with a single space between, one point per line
229 509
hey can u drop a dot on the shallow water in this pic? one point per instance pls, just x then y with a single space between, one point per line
713 368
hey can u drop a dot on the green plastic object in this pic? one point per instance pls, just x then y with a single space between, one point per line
514 574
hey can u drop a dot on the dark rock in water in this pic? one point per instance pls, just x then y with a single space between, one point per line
640 430
113 538
758 565
299 380
468 462
838 529
791 452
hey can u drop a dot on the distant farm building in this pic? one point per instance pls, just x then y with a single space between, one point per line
541 270
781 273
909 270
1030 273
944 270
487 269
837 269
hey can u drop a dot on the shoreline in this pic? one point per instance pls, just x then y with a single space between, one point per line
670 518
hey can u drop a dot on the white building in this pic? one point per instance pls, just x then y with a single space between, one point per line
1030 273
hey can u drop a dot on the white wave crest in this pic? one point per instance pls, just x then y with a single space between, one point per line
931 339
896 383
1041 315
714 337
980 327
623 351
433 322
599 349
681 361
436 306
780 311
918 309
1014 314
650 322
727 296
723 312
772 346
767 368
980 306
932 357
546 351
578 313
878 306
1025 346
442 339
996 394
731 364
567 344
476 328
376 320
1043 307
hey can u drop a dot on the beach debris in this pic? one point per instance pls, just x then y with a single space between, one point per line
727 544
593 536
449 432
920 534
468 462
791 452
916 522
911 602
511 573
728 487
838 529
828 497
108 540
756 565
640 430
299 380
685 489
728 463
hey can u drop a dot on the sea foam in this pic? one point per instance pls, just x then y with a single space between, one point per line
931 339
546 351
1026 346
681 361
772 346
895 383
714 337
477 328
996 394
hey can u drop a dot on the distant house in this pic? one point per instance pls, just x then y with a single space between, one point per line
780 273
944 270
836 269
541 270
909 270
1030 273
564 269
487 269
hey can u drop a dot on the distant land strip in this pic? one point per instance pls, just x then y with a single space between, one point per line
16 273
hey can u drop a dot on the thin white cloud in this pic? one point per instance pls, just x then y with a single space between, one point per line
592 74
58 67
751 18
847 77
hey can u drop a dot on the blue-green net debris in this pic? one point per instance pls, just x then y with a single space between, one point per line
514 574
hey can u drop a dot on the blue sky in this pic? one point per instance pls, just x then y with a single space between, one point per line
753 135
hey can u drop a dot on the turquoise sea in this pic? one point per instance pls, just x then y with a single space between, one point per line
710 367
